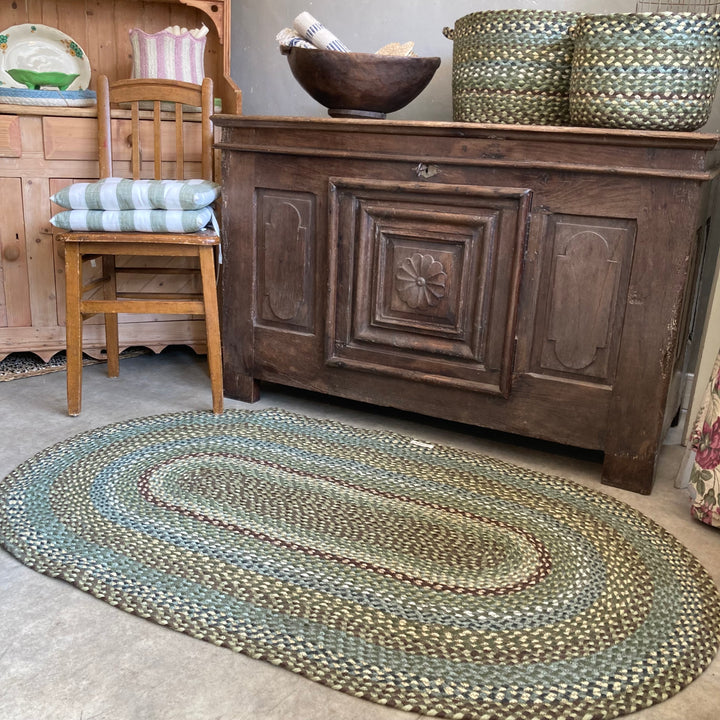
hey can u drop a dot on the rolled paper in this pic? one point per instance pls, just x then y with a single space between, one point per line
287 37
316 33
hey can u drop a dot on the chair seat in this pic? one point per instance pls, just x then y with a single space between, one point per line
203 237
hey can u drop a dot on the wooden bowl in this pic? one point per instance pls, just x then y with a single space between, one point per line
360 85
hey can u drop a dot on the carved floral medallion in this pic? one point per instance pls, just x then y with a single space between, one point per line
420 281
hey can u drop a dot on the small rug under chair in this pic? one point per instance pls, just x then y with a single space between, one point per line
27 364
414 575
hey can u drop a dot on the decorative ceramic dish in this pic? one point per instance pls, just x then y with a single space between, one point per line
46 53
48 98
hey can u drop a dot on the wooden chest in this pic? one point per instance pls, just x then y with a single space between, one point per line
533 280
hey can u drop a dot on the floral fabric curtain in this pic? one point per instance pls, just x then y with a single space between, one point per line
705 473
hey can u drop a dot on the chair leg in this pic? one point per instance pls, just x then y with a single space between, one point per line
212 326
112 344
73 327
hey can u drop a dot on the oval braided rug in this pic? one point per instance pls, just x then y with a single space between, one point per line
414 575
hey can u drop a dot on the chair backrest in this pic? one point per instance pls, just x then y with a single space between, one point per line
159 109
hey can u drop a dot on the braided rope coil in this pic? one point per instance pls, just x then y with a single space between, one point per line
651 71
512 66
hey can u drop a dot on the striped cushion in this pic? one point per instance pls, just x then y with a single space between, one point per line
176 221
123 194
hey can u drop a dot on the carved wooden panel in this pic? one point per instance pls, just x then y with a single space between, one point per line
424 272
424 280
285 266
589 266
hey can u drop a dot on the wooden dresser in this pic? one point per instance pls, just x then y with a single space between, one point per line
45 148
538 281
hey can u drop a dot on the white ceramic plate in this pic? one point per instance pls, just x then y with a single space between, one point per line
41 49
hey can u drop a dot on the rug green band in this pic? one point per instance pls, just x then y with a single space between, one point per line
417 576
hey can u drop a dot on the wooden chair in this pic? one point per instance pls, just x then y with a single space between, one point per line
83 245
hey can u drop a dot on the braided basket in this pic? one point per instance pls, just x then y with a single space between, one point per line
512 66
648 71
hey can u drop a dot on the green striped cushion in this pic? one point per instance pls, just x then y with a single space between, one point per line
176 221
123 194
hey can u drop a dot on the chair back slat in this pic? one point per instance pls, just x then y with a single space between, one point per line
157 142
207 101
134 139
104 128
179 143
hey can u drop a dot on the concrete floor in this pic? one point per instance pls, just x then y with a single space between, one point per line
66 656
